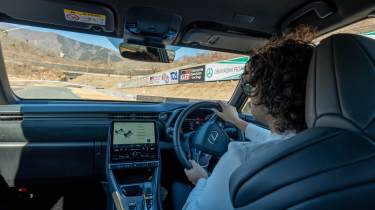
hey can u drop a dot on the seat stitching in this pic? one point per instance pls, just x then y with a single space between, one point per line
283 155
373 67
318 173
314 89
335 75
365 52
362 132
334 191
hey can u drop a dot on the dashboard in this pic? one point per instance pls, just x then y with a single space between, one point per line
55 143
136 140
68 141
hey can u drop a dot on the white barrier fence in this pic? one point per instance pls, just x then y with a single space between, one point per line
218 71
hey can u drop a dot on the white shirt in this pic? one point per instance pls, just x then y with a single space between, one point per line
213 193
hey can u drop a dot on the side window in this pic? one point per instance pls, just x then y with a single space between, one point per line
246 109
248 116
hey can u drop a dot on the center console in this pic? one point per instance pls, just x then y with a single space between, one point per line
133 165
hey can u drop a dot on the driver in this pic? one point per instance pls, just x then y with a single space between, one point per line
275 80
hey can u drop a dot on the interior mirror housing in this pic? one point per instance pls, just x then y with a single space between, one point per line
151 27
147 32
146 53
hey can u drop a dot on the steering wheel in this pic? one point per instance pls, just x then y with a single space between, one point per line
210 139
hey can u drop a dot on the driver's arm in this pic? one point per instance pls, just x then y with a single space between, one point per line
229 114
255 133
213 192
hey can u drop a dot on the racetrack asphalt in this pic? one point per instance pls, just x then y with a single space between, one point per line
46 93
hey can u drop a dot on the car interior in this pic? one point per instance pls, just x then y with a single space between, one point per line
67 154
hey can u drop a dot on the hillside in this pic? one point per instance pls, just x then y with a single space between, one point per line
65 47
46 56
43 55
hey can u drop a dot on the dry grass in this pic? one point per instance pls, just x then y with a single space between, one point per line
27 72
105 82
92 94
222 90
205 58
364 26
207 91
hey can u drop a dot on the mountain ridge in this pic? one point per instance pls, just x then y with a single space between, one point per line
65 47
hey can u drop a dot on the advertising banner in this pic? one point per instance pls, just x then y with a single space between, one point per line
194 74
164 78
223 71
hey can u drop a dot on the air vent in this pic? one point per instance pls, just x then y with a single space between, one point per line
188 125
11 117
135 115
169 117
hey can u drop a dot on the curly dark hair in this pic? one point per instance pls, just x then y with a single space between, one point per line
278 74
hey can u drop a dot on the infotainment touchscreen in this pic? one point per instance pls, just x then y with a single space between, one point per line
126 133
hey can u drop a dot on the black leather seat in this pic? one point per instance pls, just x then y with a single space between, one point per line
332 164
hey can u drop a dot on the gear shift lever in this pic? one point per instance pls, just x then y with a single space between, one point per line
147 195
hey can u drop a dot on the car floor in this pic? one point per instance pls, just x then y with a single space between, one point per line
53 197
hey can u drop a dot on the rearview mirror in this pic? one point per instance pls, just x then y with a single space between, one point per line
146 53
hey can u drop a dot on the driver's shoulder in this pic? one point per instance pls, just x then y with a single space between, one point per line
242 150
237 145
237 149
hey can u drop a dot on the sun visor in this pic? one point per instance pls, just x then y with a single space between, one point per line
314 14
73 14
222 40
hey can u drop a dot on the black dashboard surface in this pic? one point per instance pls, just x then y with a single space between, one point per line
59 141
53 141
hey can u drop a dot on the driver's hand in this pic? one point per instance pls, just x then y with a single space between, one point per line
196 172
229 113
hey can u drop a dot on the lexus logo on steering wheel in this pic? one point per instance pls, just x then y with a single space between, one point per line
213 137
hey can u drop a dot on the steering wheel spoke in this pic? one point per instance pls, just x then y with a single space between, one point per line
186 144
209 140
202 158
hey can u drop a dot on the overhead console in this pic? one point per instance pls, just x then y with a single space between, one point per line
133 164
147 32
151 27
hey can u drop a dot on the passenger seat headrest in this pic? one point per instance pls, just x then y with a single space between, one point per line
341 84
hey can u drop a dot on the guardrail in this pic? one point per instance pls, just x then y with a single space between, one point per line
165 99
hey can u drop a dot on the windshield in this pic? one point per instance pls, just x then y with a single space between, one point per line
53 64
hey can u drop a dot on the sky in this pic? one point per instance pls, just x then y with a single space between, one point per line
103 41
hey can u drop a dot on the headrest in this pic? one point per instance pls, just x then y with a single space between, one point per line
341 84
